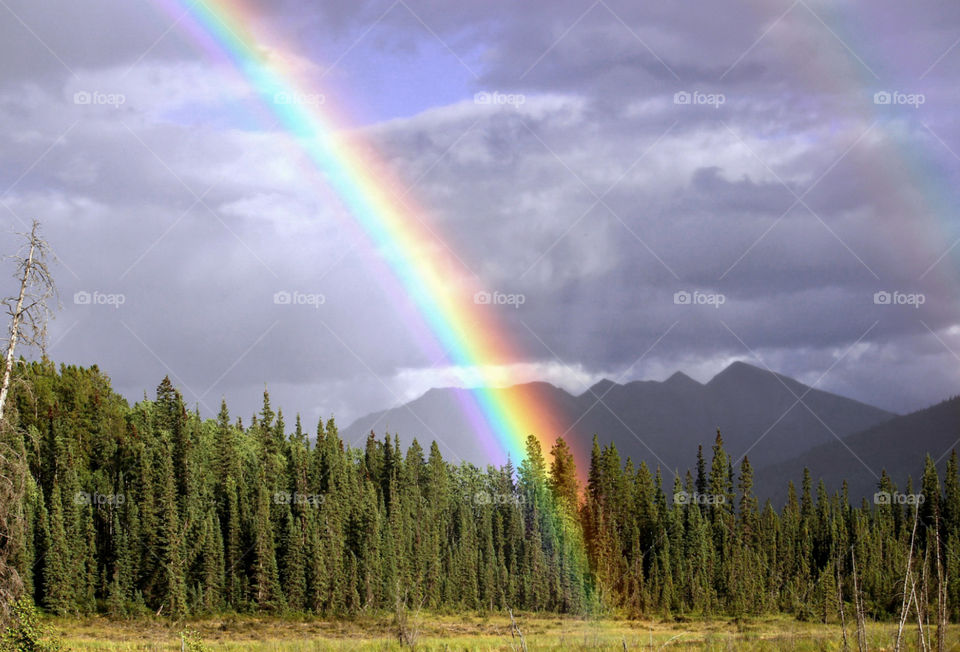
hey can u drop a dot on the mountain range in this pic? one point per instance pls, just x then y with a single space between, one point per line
899 446
781 424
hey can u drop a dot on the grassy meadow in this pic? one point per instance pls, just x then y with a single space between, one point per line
465 632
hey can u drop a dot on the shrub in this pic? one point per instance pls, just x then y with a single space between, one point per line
27 633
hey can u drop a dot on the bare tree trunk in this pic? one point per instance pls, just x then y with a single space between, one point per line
907 579
408 634
843 620
28 311
28 314
858 604
941 593
515 631
15 323
916 603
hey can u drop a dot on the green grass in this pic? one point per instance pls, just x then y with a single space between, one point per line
473 632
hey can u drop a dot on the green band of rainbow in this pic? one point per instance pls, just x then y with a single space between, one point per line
417 257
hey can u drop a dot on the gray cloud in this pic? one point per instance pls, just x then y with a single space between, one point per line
597 198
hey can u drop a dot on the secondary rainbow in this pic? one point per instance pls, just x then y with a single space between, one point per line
426 268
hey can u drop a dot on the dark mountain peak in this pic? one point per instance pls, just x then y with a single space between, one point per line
652 420
681 380
737 370
540 385
435 393
743 374
601 387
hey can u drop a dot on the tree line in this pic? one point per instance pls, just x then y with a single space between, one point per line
149 508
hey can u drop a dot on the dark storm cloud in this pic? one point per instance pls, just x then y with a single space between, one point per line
595 195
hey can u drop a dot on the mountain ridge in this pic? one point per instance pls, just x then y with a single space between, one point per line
662 422
898 446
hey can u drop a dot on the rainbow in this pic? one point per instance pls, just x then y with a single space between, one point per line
427 270
914 178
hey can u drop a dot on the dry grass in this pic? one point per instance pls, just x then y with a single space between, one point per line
471 632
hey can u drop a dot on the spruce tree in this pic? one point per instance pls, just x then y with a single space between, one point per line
563 475
59 572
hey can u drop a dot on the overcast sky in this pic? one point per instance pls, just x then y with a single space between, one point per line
744 153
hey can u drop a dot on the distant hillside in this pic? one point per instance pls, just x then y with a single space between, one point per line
439 416
660 422
900 446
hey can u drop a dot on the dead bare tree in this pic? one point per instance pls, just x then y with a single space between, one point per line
843 620
921 642
29 313
941 592
407 633
515 632
923 607
907 581
858 604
